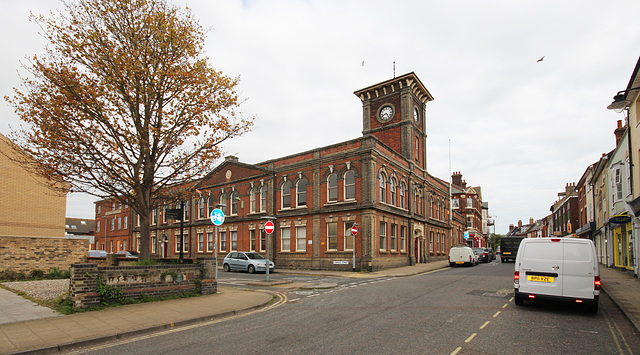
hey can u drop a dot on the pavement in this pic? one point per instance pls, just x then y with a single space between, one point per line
26 327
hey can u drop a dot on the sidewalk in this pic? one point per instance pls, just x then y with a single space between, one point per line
54 333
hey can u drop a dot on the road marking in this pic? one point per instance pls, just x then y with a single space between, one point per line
485 324
471 337
505 305
619 333
511 299
456 351
295 299
497 313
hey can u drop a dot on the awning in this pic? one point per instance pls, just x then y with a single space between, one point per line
621 218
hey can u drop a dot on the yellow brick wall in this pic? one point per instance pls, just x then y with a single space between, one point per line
28 207
30 253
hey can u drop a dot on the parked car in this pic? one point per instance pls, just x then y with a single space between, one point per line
462 255
559 269
129 254
483 255
491 253
246 261
97 253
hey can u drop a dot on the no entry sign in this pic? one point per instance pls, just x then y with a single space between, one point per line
354 230
268 227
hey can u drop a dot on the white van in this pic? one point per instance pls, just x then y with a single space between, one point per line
462 255
557 269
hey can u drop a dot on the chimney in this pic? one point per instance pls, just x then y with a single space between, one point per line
456 179
619 132
511 226
520 223
530 220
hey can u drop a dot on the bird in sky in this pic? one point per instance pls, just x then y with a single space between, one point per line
541 59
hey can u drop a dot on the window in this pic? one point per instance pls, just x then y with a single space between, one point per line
348 238
383 236
349 185
252 239
382 190
392 191
301 238
392 237
286 195
403 189
185 243
616 184
210 241
113 224
164 214
201 208
200 242
154 241
302 192
154 214
234 240
469 202
185 213
285 237
332 188
210 205
98 226
431 242
126 222
223 241
403 238
235 197
263 199
455 203
263 240
253 193
332 236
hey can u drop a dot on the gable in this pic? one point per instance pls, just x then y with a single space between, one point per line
232 171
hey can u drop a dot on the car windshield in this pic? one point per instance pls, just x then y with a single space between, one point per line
255 256
133 253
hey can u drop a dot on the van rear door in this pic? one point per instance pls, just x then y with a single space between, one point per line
541 266
579 269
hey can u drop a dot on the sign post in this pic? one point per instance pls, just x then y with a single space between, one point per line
354 231
268 228
217 218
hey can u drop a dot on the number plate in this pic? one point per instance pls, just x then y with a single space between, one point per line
459 262
507 253
540 278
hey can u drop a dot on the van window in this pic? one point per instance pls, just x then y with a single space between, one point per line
543 251
577 252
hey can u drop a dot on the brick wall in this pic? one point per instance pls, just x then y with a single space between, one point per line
30 253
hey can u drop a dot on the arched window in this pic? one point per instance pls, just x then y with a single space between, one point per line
382 187
403 198
201 207
332 188
263 198
286 194
253 193
235 197
349 185
301 192
212 205
392 190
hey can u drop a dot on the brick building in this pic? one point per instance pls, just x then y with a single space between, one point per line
467 201
378 181
29 207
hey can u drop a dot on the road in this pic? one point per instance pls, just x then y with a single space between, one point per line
459 310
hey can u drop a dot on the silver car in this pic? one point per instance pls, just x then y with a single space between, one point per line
246 261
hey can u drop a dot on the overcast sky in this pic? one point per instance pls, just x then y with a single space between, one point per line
518 128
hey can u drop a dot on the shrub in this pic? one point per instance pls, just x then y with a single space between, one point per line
56 273
11 275
36 274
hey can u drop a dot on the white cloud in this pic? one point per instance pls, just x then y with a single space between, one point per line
520 129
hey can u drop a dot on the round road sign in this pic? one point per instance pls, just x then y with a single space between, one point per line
217 217
268 227
354 230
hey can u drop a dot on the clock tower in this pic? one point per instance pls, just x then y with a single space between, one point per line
394 111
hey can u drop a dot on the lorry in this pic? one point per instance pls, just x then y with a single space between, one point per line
509 248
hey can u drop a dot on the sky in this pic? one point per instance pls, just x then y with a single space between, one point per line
519 128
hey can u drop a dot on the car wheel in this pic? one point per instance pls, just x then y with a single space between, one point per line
451 264
226 267
519 301
252 269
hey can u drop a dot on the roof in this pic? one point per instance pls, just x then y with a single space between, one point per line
406 80
80 226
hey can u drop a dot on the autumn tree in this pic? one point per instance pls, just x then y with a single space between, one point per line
124 103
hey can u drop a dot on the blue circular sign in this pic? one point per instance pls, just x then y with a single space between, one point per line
217 217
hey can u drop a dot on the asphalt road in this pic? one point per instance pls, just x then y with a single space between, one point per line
459 310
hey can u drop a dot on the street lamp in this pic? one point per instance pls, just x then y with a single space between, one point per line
620 101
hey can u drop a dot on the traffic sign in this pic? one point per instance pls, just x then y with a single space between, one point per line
268 227
217 217
466 235
354 230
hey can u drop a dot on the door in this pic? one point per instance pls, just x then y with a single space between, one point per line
579 269
541 266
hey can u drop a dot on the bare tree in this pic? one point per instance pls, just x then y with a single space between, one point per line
124 104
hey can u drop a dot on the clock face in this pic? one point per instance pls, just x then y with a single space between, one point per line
386 113
416 115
